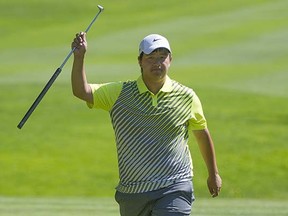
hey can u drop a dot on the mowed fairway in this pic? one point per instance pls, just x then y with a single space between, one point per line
107 207
232 53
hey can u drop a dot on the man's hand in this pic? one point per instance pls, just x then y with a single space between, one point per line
80 43
214 183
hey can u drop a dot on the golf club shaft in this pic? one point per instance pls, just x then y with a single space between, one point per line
53 78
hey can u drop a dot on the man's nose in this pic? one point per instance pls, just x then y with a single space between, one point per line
158 61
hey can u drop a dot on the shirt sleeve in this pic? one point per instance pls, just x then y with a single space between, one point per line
105 95
197 120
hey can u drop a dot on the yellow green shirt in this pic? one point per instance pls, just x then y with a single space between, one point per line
106 94
151 131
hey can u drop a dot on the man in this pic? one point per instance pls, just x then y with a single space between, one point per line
151 117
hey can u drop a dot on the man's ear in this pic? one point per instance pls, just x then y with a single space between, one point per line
170 58
140 61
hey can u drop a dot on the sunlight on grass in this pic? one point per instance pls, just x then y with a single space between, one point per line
232 53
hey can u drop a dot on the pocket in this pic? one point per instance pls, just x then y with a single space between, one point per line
188 191
117 197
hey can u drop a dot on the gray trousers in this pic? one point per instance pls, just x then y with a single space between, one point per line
174 200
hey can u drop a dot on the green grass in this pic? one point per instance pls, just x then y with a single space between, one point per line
108 207
232 53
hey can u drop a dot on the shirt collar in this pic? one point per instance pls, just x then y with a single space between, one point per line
167 87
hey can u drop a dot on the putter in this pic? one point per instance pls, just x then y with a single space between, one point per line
53 78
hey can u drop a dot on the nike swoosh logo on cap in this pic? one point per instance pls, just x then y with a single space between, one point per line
156 39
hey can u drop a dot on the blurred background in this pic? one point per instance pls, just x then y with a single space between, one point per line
232 53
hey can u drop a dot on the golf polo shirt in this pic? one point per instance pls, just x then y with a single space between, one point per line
151 131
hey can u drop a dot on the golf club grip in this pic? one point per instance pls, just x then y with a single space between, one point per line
39 98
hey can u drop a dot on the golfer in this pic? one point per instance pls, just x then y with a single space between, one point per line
151 117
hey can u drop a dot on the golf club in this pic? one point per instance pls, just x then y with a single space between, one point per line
53 78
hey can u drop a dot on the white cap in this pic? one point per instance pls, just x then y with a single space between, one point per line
152 42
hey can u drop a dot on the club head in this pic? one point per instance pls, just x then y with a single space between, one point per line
100 7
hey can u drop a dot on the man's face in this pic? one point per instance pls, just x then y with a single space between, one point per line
156 64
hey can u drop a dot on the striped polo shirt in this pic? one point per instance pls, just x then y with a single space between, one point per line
151 131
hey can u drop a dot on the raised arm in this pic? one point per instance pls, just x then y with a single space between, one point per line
80 87
206 146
